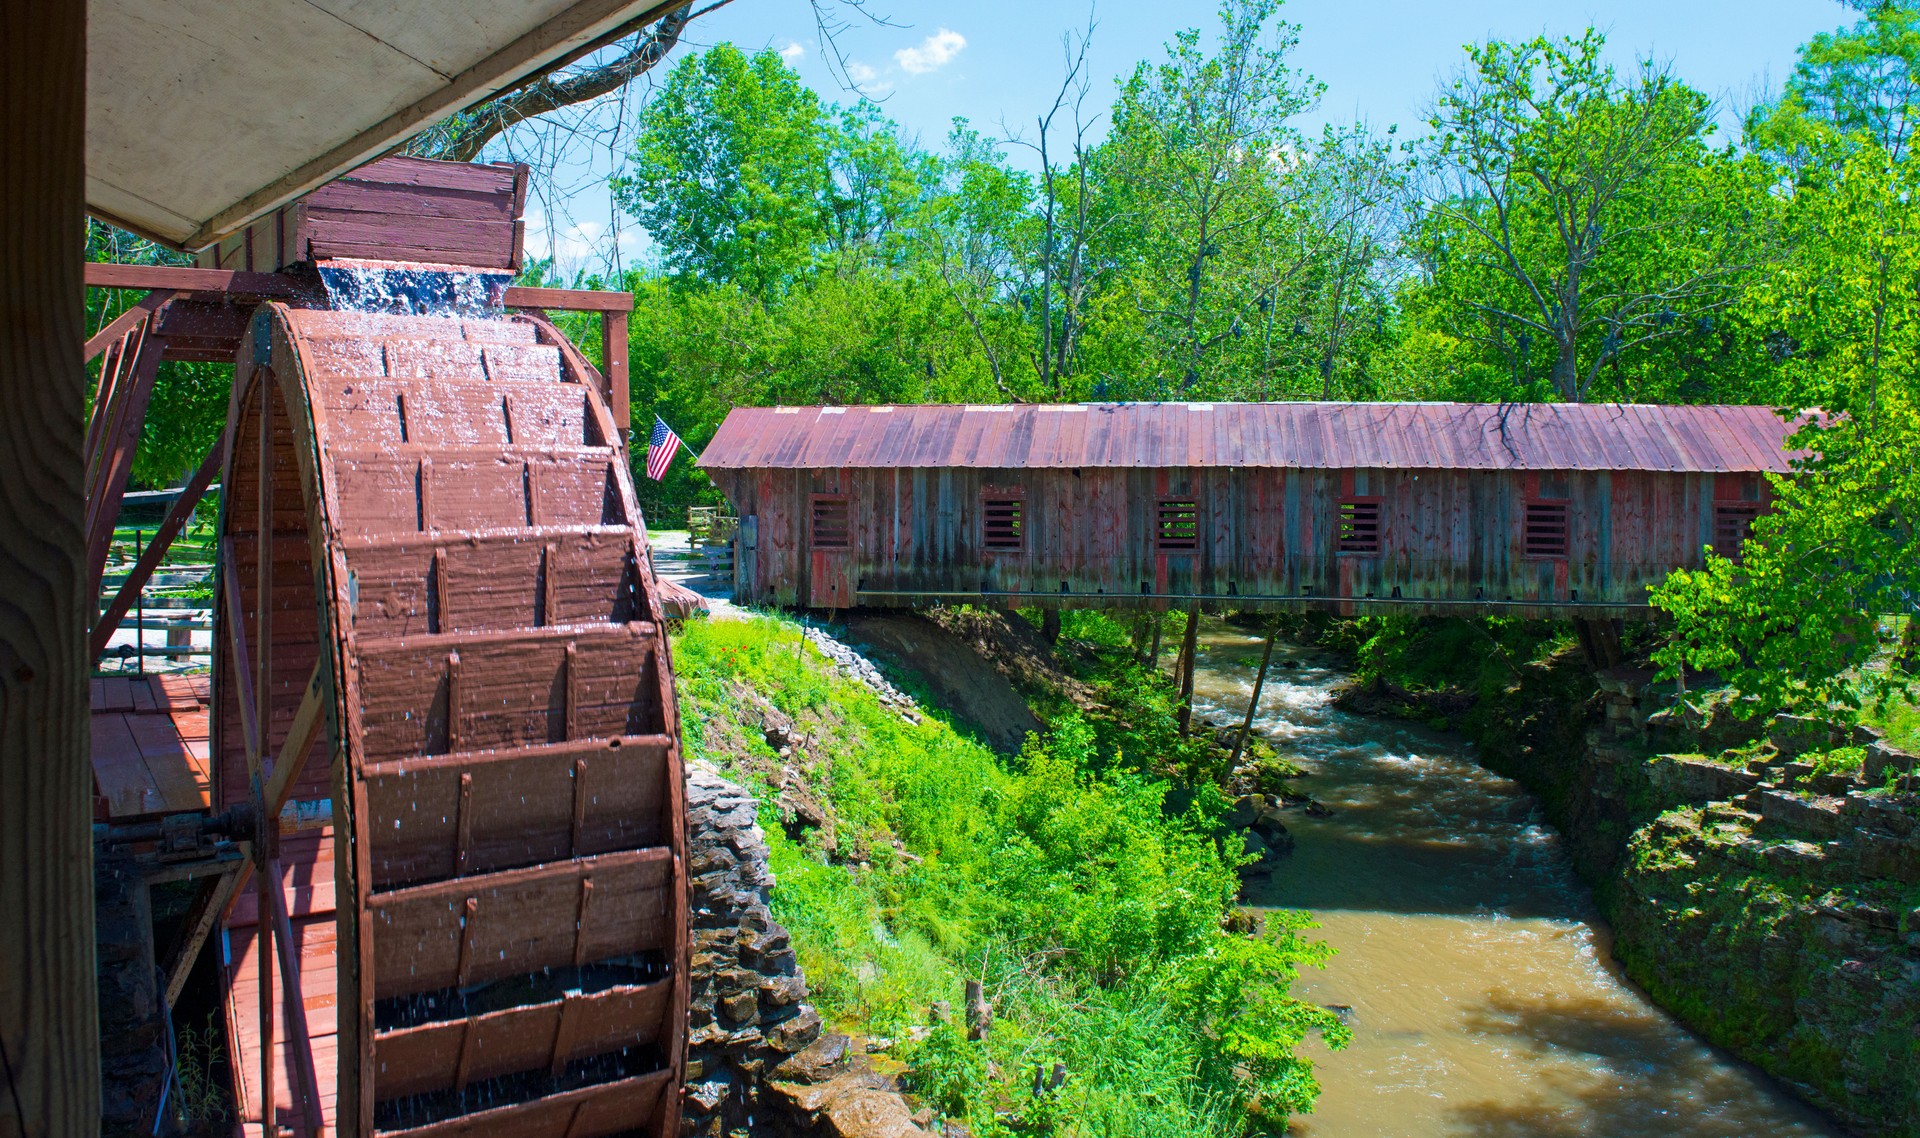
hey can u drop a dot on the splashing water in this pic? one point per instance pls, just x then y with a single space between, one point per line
1483 998
404 289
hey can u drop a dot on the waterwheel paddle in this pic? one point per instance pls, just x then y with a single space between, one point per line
454 718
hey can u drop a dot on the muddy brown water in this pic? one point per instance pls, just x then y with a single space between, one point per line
1483 1001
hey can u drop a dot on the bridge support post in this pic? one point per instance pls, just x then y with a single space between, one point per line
1253 702
1188 644
1600 640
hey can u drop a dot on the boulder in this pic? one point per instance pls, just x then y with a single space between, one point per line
1883 757
1246 810
824 1058
1272 829
1894 859
1795 857
869 1113
1708 721
855 1104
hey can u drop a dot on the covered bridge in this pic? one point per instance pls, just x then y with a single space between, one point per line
1538 509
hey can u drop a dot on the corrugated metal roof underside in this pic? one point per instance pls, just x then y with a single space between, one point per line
1337 436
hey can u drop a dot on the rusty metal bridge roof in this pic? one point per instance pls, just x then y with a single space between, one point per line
1427 436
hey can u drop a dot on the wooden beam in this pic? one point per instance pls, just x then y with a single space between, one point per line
213 899
308 722
117 442
49 1023
613 357
300 1039
568 299
237 636
1189 645
1253 702
123 323
100 275
170 528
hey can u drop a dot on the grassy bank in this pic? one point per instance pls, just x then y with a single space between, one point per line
916 859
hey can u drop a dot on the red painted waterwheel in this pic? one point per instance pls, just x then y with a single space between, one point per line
455 712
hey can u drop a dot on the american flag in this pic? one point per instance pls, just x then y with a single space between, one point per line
661 449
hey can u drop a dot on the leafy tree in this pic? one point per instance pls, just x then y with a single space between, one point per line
1351 191
729 172
1859 83
977 233
1797 618
1197 155
1576 218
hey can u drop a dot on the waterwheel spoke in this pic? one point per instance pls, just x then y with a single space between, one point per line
299 1049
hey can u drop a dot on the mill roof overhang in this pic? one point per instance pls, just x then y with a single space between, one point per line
1362 436
202 116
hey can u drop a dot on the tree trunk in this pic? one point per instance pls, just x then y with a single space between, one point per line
1188 644
1050 626
1253 704
1153 653
49 1027
1566 371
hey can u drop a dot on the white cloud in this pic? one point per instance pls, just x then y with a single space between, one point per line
792 52
867 80
932 53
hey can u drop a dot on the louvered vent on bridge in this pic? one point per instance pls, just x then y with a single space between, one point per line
1005 524
832 523
1360 526
1546 529
1179 526
1732 525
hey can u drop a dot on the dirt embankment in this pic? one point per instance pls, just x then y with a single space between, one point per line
988 669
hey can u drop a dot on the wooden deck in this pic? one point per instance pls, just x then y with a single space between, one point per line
149 746
307 859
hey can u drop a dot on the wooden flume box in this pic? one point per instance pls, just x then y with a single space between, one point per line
396 209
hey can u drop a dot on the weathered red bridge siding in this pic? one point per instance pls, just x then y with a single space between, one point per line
1433 502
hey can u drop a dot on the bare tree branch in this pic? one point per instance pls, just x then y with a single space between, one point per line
463 137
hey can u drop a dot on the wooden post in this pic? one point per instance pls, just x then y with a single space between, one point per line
49 1028
1153 653
1188 645
613 358
979 1011
1253 704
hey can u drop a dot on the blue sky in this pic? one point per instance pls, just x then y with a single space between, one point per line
999 62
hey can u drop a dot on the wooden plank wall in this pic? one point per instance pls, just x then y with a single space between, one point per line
396 209
1451 536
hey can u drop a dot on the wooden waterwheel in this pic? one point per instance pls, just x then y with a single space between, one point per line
443 687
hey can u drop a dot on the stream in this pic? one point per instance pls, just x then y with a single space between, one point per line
1483 999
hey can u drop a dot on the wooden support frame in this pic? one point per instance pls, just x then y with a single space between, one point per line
115 433
123 323
170 527
614 309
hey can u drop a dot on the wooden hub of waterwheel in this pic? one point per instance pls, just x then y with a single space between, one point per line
444 689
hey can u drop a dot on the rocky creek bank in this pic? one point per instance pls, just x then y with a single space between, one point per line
1766 894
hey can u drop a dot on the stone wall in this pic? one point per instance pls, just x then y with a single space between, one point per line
749 1009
